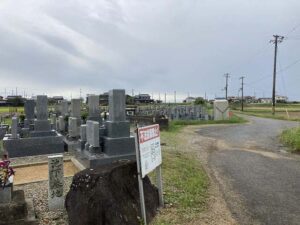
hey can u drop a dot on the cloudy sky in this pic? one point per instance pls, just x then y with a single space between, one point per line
158 46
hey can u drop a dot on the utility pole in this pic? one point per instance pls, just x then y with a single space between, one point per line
226 75
165 98
175 97
242 89
277 39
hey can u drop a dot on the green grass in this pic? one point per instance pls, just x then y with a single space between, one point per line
7 109
176 125
291 137
279 115
185 183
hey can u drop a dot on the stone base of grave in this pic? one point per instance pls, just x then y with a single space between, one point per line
33 146
109 195
93 160
95 118
117 146
117 129
42 125
18 211
71 143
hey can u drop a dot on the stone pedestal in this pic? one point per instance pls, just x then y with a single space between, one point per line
6 194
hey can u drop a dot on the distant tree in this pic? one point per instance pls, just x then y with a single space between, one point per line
199 101
129 100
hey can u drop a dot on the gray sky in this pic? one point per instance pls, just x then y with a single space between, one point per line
60 47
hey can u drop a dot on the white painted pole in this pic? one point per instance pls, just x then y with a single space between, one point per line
140 179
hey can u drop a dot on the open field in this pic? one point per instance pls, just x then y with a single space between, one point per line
7 109
283 111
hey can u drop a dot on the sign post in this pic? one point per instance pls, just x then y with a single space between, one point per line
148 155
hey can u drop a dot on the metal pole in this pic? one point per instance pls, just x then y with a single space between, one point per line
140 179
160 186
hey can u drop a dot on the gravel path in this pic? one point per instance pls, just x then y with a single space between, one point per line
39 193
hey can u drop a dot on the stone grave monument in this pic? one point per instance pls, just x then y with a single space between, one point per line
41 140
111 141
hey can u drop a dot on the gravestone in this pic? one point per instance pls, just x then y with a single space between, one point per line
64 108
41 123
56 182
29 112
92 134
14 128
61 124
75 108
39 139
112 141
82 136
73 128
93 105
221 110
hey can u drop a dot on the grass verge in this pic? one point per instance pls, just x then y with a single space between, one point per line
291 137
185 183
174 126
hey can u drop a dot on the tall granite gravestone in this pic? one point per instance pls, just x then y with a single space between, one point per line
14 127
94 110
75 108
29 112
92 134
56 182
73 127
117 134
41 123
64 108
221 109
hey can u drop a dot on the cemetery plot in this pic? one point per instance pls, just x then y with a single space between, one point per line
39 172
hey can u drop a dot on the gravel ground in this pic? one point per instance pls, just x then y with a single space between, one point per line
39 193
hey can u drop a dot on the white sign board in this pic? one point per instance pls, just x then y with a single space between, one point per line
149 146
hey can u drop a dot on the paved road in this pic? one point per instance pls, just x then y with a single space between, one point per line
259 180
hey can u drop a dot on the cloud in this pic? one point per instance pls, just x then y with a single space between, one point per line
157 46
